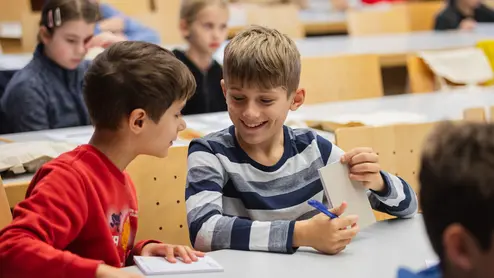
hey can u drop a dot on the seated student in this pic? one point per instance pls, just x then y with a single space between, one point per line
114 21
47 93
204 25
463 15
79 217
457 200
248 185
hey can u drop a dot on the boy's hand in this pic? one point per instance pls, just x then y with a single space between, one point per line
113 24
364 166
104 40
326 235
169 251
106 271
468 24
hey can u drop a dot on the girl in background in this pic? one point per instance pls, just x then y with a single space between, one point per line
47 93
203 24
463 15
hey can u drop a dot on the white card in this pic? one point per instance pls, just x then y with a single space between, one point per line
158 265
338 188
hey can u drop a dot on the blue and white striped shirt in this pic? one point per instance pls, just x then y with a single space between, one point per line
233 202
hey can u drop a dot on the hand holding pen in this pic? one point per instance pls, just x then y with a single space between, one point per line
327 231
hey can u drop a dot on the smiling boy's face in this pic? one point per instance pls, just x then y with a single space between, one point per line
259 114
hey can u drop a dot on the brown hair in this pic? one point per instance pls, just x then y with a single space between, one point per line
56 12
130 75
457 181
264 58
190 8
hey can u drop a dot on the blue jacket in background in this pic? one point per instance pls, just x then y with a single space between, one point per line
44 95
133 30
433 272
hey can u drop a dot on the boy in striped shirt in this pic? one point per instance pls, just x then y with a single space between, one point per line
248 185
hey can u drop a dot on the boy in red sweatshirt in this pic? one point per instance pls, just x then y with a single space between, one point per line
79 218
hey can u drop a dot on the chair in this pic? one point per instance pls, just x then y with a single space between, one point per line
130 7
420 76
5 214
160 186
282 17
422 14
336 78
390 19
399 148
478 114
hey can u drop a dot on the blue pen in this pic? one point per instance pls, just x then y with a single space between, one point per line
322 208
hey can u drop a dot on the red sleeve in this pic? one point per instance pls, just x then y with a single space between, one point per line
45 223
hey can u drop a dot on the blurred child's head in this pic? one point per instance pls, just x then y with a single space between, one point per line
204 24
457 197
261 70
138 90
65 27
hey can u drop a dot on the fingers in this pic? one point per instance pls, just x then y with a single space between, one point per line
349 234
363 158
170 254
198 253
367 177
343 222
339 210
350 154
366 167
181 252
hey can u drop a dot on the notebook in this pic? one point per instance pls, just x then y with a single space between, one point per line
158 266
338 188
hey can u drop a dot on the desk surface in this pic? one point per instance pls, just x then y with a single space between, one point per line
345 45
377 251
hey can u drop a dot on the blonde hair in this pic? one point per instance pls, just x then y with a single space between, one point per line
190 8
263 58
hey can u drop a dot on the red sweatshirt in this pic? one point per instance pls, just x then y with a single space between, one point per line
80 211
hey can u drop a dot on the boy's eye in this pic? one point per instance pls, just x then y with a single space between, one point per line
266 101
208 25
237 98
71 41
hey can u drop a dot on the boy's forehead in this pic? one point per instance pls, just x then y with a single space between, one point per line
256 89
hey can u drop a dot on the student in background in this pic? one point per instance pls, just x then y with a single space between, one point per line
47 93
79 218
248 185
204 25
457 200
463 15
114 21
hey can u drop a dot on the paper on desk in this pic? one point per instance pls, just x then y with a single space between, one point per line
73 137
158 265
24 157
338 188
431 263
379 118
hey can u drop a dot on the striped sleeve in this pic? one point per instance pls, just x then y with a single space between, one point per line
398 200
211 230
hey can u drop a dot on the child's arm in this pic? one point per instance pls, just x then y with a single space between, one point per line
25 109
132 29
397 198
209 228
44 224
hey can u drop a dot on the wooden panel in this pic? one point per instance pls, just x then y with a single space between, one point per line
11 10
475 114
341 78
160 185
421 78
30 29
390 20
130 7
166 20
5 215
284 18
16 192
399 148
423 14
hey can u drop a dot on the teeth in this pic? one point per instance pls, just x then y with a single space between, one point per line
253 125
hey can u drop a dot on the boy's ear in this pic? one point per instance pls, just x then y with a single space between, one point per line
184 29
223 87
44 34
297 99
461 250
137 119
